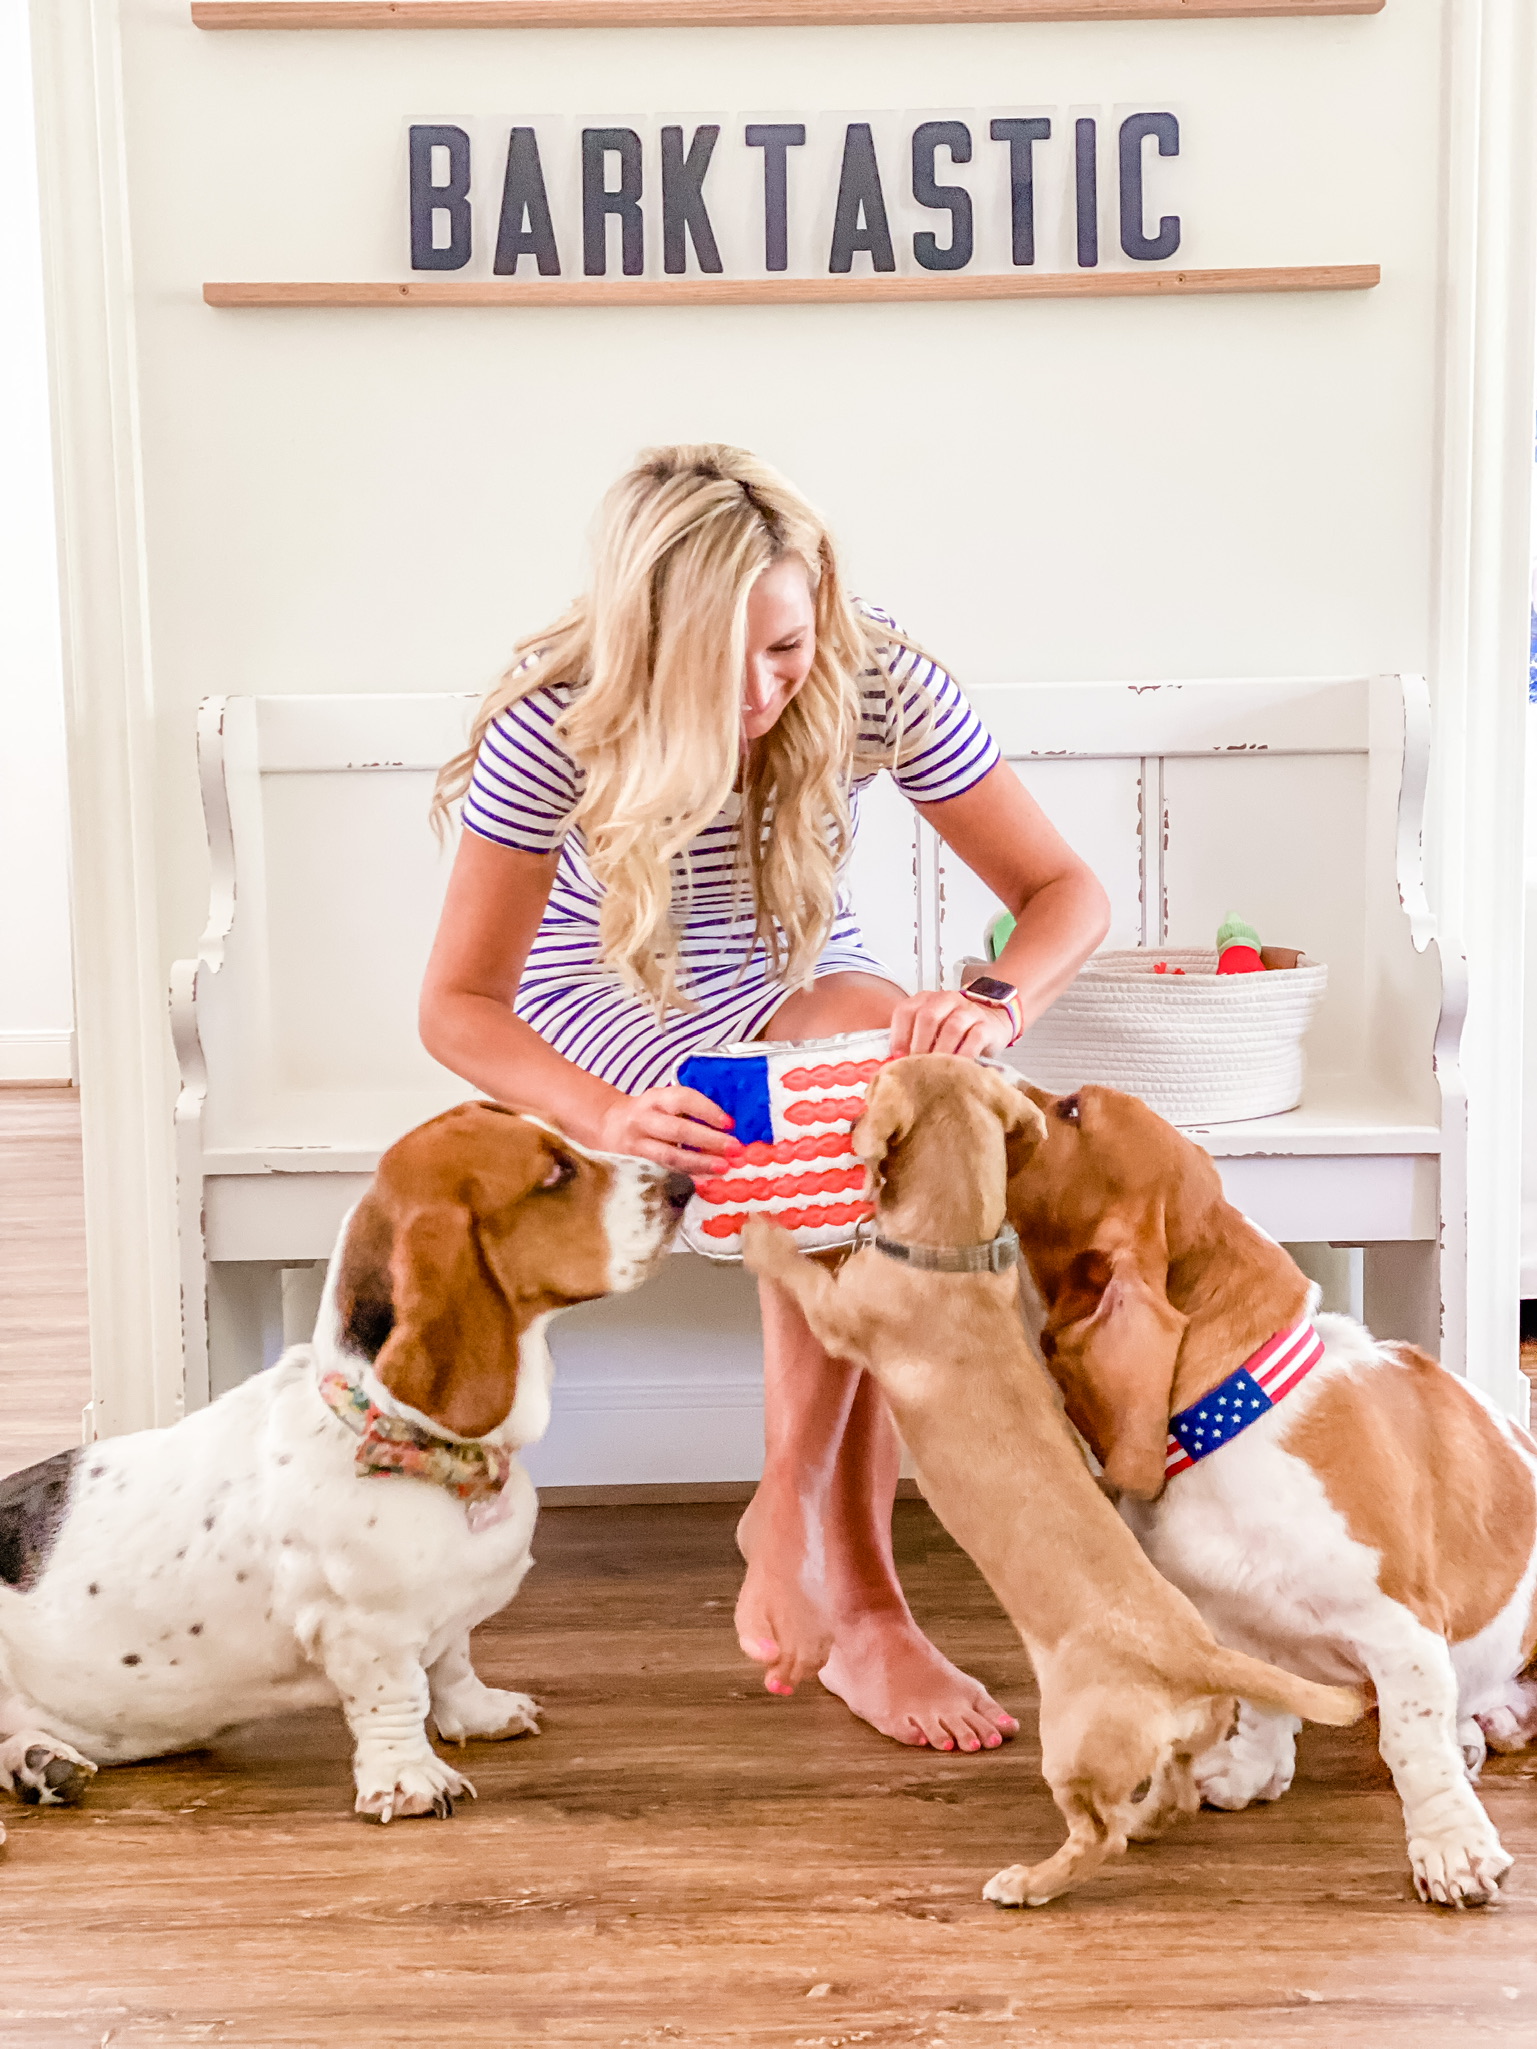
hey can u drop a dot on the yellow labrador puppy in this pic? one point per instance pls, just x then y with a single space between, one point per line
1133 1685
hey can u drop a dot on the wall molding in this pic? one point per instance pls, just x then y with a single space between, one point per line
519 14
126 1072
1479 568
37 1056
531 293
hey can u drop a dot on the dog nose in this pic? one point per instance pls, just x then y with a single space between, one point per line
678 1190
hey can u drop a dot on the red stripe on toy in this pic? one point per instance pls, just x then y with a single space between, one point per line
831 1145
826 1110
838 1213
843 1075
835 1181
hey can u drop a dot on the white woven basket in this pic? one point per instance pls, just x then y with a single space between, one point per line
1199 1048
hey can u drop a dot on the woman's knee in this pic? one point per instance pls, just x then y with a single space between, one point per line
847 1002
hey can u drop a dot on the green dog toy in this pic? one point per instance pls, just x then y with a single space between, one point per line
1238 948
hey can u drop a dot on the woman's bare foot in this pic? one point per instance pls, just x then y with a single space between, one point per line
885 1670
782 1619
878 1662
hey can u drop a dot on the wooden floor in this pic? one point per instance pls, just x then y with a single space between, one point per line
682 1859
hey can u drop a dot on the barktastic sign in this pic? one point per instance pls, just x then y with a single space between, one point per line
796 195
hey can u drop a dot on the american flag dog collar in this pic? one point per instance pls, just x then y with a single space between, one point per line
794 1108
1266 1377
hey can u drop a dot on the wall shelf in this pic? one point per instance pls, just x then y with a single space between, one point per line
798 291
484 14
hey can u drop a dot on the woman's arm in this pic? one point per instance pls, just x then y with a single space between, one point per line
491 913
1061 913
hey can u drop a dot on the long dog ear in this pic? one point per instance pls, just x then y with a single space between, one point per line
888 1110
1113 1341
452 1351
1024 1125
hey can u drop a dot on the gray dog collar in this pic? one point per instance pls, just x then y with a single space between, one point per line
995 1257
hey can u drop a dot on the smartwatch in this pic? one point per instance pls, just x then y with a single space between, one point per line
998 995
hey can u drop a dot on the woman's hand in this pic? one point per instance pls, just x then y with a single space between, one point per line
947 1021
675 1126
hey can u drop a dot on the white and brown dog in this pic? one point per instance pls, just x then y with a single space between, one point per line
1342 1506
334 1528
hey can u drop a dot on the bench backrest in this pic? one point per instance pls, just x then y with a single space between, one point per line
296 1025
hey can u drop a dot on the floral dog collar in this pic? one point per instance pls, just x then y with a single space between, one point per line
472 1471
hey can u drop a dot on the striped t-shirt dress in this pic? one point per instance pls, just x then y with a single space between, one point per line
523 792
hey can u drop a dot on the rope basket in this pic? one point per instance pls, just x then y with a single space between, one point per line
1197 1047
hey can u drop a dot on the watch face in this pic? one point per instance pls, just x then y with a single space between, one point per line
991 990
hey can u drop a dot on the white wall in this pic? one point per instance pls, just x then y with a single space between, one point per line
36 1003
339 500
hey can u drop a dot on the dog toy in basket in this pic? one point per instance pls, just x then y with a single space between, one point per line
794 1109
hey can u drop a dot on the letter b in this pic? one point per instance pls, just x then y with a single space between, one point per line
429 198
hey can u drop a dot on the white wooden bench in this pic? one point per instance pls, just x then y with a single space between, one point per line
1295 802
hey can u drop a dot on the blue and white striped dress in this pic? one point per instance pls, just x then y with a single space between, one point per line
523 792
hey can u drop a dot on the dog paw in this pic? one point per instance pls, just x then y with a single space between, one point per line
1470 1741
1460 1867
44 1772
766 1249
1232 1782
1011 1887
1513 1724
490 1716
425 1786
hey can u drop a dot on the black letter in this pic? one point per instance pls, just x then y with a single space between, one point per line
624 203
524 198
683 205
1087 168
1146 248
1019 135
774 139
954 136
429 200
859 219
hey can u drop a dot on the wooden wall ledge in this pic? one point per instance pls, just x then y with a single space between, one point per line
354 14
799 291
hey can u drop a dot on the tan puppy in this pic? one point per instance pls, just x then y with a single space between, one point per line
1133 1685
1371 1517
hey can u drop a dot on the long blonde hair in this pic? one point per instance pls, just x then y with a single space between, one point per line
658 648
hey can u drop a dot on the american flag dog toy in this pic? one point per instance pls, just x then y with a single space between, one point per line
794 1109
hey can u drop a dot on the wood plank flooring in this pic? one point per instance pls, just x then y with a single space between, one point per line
45 1365
683 1860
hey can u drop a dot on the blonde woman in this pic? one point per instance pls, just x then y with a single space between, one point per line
659 802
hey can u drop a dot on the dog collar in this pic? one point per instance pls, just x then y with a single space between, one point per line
1266 1377
470 1470
995 1257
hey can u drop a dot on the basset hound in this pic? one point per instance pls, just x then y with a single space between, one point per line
331 1530
1337 1503
1133 1684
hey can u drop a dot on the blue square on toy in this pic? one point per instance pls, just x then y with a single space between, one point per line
738 1086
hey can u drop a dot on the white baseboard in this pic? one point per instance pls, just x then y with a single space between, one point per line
37 1056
